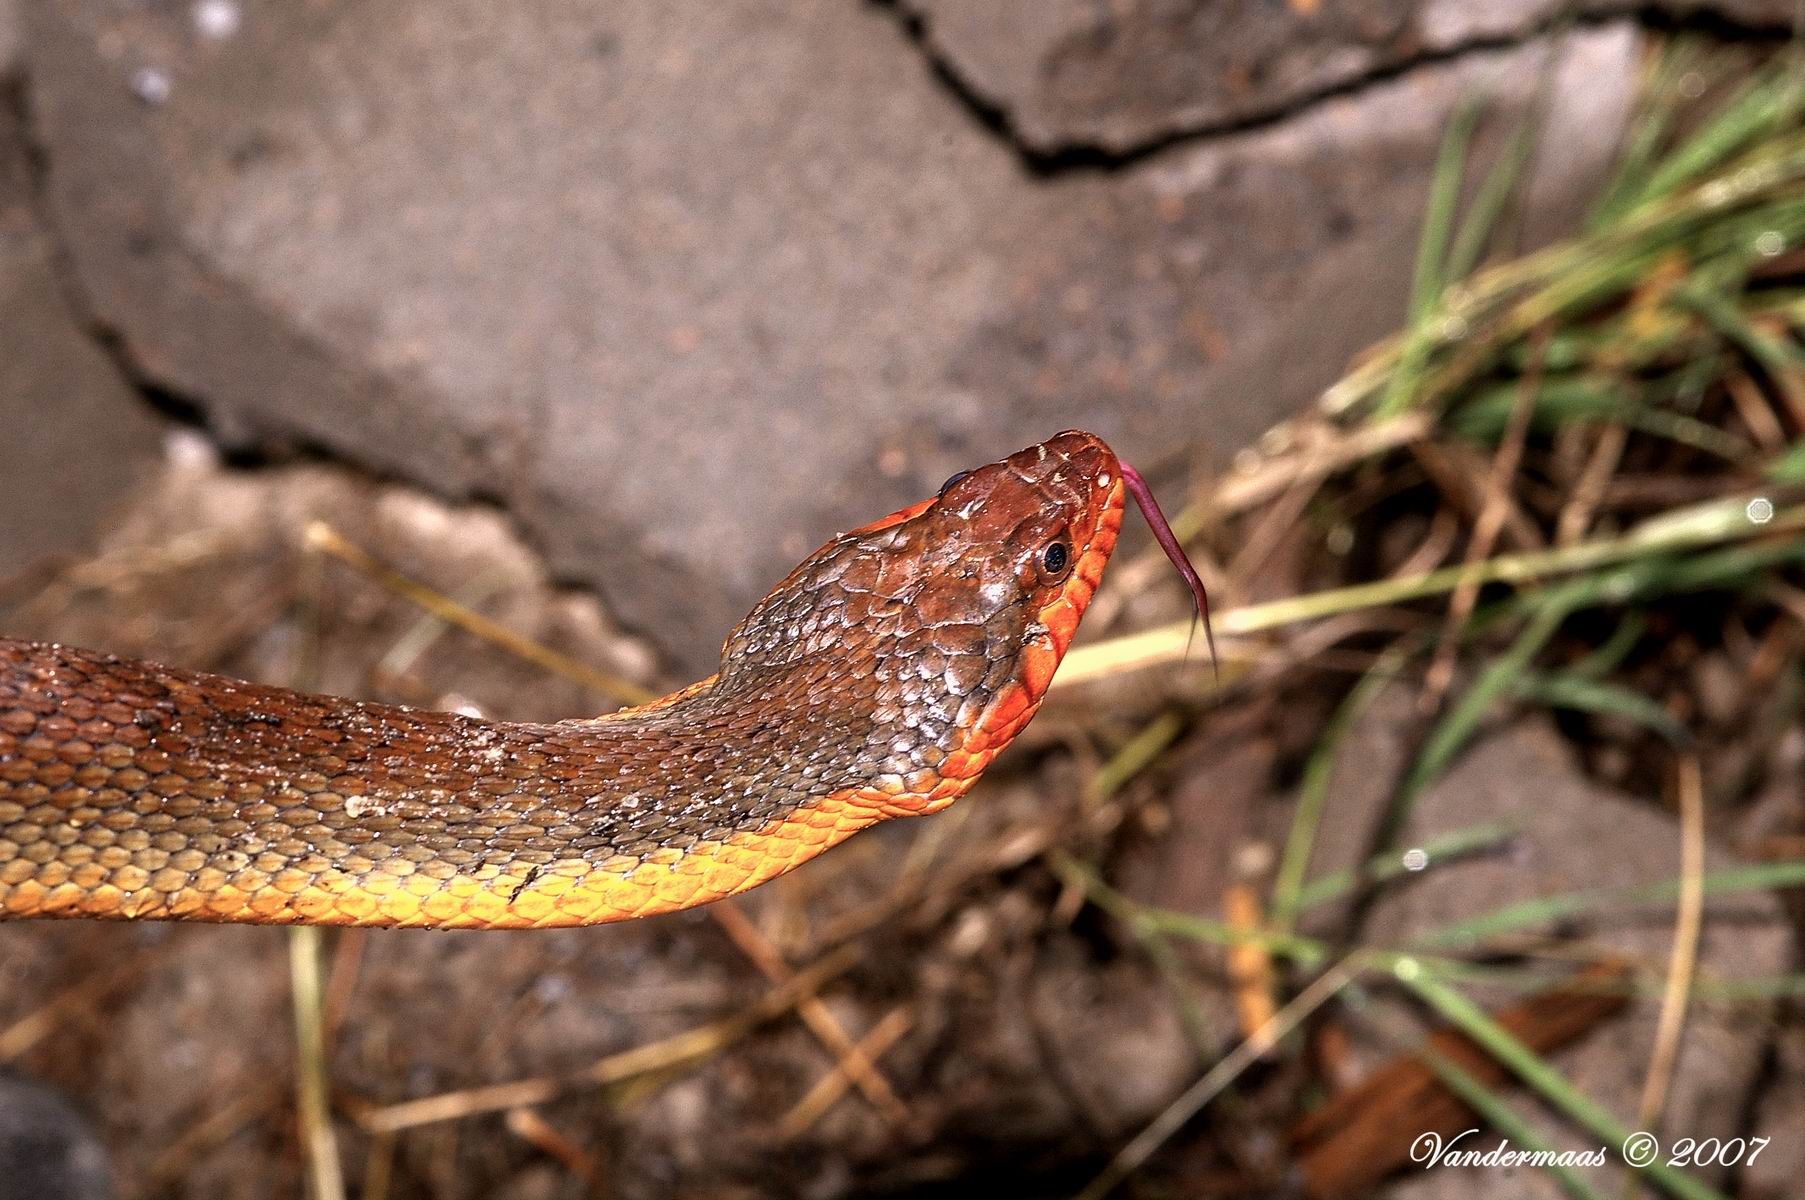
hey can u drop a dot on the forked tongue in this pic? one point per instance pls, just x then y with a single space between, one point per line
1168 541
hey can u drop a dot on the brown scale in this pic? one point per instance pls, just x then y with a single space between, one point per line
878 679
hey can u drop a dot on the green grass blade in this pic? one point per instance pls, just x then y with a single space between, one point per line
1789 466
1663 540
1313 793
1457 726
1539 1074
1429 278
1781 358
1141 918
1769 100
1506 1120
1610 654
1488 206
1576 399
1728 881
1576 692
1384 867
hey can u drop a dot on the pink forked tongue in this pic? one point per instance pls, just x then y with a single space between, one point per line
1168 541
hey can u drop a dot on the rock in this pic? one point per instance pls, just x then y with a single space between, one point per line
9 37
1779 1115
689 295
76 436
209 559
1122 78
1115 1034
47 1149
1575 836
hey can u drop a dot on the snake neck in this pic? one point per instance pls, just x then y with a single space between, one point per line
133 790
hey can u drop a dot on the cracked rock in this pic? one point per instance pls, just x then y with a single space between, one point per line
77 438
690 292
1122 77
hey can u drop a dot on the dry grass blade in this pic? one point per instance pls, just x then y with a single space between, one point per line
322 537
325 1173
1295 451
247 1103
545 1137
1682 966
1177 1114
678 1050
81 996
827 1091
1695 527
852 1060
1494 509
1589 488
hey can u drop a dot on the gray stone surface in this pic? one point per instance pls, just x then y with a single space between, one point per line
690 288
1575 836
1120 77
9 36
76 437
48 1151
1780 1115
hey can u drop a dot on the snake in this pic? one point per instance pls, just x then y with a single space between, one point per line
878 680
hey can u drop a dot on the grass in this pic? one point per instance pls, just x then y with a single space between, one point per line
1661 357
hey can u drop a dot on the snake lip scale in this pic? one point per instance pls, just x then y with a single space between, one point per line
877 680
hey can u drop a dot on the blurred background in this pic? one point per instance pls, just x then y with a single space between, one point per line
1462 341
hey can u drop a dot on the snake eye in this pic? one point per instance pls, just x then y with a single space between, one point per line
1055 560
955 477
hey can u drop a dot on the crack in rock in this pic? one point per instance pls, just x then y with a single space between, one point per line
1070 85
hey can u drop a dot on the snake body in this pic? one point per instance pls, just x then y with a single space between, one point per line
879 679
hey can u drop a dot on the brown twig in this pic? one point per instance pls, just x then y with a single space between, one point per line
1461 475
1250 973
1270 529
379 1167
1432 551
341 980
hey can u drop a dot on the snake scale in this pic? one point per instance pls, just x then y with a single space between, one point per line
877 680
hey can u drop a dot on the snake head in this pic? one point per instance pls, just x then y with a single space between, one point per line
1019 546
932 634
